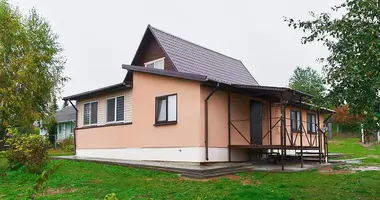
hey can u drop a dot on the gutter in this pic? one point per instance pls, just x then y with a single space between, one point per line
76 126
206 118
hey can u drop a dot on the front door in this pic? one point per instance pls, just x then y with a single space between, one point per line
256 122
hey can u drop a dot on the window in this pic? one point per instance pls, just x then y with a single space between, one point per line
90 113
295 118
311 123
156 64
166 109
115 109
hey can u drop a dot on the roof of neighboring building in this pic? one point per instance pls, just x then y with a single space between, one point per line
98 91
66 114
188 57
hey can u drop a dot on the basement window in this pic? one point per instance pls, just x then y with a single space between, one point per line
166 109
156 64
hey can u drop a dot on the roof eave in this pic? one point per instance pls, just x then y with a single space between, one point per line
98 91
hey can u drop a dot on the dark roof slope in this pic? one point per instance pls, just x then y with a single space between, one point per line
98 91
66 114
188 57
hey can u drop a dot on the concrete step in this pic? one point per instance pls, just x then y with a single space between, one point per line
215 173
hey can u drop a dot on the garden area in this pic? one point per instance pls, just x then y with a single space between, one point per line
85 180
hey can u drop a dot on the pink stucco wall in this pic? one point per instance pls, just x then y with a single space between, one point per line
142 132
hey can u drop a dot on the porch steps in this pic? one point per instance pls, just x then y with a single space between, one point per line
203 174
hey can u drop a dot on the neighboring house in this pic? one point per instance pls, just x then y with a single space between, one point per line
66 119
182 102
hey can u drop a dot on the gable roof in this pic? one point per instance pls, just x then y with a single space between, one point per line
66 114
188 57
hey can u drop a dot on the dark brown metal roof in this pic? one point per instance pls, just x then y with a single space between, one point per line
98 91
188 57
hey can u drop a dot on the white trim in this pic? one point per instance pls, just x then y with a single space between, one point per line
179 154
155 61
106 113
97 120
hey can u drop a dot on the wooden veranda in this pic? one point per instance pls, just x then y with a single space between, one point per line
281 136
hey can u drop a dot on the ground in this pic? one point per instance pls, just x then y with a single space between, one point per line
83 180
369 154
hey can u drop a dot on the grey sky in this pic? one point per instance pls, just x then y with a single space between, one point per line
100 36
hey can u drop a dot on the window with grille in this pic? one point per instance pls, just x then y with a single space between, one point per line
115 109
311 123
295 118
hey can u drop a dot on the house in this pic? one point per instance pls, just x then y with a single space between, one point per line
183 102
66 119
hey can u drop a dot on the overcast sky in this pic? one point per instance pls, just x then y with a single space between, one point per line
100 36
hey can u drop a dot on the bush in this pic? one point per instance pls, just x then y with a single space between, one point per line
68 144
29 151
111 196
68 148
3 164
68 141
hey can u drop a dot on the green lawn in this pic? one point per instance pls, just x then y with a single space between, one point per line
85 180
59 152
353 147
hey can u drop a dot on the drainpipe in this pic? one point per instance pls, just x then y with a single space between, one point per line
206 118
76 126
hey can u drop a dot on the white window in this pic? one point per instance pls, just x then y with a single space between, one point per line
166 109
90 113
115 109
156 64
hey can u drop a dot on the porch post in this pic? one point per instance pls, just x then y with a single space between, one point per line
285 130
270 125
229 126
282 132
301 142
319 140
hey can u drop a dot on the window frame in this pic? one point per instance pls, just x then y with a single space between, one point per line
298 122
155 61
89 117
115 116
166 122
315 123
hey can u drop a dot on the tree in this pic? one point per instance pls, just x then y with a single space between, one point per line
353 65
31 66
309 81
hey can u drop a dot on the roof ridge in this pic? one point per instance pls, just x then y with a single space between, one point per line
192 42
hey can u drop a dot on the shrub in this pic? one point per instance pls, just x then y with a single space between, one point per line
111 196
68 144
29 151
68 148
3 164
68 141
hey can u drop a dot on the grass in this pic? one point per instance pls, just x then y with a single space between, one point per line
355 149
59 152
84 180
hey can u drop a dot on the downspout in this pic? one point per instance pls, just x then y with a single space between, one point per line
76 126
206 118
